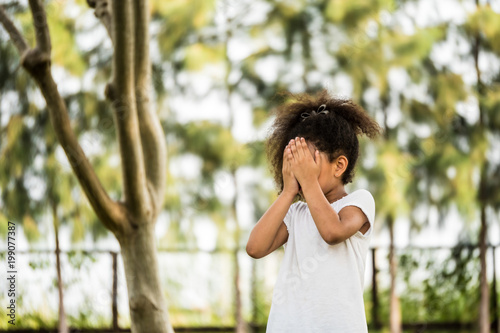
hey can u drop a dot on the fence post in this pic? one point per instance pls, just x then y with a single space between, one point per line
375 319
496 327
114 293
253 282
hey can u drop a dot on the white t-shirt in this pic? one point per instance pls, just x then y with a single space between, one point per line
320 286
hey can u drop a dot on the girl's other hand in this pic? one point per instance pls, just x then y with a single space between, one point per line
290 183
305 165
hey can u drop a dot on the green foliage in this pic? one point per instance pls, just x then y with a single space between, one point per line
447 89
179 20
214 144
449 292
198 55
486 23
411 50
352 14
62 32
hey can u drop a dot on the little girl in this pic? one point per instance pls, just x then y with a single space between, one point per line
313 148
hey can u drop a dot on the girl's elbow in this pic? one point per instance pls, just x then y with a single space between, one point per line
252 252
332 239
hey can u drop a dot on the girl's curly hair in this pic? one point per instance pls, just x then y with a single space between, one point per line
334 133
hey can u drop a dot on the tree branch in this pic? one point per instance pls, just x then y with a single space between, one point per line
103 12
41 27
15 36
122 95
152 136
37 62
109 212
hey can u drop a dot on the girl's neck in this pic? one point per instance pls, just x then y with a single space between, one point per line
336 194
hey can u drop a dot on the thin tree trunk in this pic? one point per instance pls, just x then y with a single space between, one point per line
114 293
253 295
62 326
484 307
375 303
496 322
395 309
240 323
148 309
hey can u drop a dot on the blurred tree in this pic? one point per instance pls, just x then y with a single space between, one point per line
362 55
32 179
444 163
482 30
18 170
140 139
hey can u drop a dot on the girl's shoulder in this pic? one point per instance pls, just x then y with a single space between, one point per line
360 197
361 193
363 199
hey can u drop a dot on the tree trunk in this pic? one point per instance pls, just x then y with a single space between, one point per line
484 307
395 310
148 309
62 326
375 302
240 326
141 143
240 323
494 294
253 295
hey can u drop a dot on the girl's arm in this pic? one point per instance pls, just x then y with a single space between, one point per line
333 227
270 232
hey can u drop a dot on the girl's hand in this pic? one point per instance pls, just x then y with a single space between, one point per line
290 184
303 164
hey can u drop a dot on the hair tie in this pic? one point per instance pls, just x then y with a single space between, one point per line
321 110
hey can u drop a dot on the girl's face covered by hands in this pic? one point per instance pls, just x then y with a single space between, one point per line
309 165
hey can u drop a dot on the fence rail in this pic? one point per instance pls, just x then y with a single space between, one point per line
375 323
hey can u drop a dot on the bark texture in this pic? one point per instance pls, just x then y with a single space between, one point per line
148 309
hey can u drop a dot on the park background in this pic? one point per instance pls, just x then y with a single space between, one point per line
427 71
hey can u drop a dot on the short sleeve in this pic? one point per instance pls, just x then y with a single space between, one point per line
364 200
288 217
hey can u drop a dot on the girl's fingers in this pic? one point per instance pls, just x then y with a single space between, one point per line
286 151
293 147
305 148
298 146
285 159
288 154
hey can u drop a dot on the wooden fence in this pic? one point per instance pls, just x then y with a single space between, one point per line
375 324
